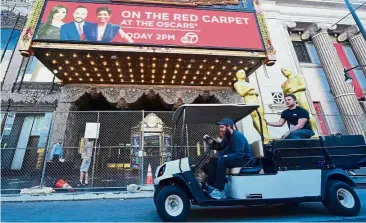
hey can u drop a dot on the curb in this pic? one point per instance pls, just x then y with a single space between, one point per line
74 196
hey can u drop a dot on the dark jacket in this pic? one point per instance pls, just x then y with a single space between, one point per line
69 31
91 32
237 145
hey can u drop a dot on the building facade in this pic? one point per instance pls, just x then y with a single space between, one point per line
51 88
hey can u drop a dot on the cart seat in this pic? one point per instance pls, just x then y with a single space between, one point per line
257 149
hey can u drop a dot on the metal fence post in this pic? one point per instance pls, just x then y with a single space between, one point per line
95 153
142 147
48 142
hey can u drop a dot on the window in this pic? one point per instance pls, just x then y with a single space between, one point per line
9 41
301 52
312 53
277 97
353 61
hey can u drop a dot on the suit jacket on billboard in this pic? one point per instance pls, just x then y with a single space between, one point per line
91 32
69 31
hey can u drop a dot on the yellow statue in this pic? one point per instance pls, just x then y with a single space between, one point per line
295 84
250 96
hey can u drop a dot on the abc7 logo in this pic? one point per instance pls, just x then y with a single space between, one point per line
191 38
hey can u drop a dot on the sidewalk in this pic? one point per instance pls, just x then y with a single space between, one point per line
75 196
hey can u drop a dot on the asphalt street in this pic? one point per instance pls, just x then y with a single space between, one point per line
143 210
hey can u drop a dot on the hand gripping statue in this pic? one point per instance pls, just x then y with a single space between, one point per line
250 96
295 84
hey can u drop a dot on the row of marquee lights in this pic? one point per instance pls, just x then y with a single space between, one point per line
153 74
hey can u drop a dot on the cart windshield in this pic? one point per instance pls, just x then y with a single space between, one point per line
212 113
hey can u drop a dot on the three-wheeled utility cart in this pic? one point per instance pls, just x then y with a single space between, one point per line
287 171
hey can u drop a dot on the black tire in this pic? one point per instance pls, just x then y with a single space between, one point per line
174 192
156 193
341 199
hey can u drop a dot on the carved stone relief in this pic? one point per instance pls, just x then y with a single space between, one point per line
30 96
130 94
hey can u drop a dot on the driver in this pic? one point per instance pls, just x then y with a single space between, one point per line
237 154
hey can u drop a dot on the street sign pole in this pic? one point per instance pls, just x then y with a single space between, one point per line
355 17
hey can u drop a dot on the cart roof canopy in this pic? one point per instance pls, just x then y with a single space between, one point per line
212 113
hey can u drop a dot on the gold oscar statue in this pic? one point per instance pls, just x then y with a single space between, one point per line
250 96
295 85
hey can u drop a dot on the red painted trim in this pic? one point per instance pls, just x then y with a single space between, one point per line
321 118
345 62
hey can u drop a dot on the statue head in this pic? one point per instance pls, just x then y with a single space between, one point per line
286 72
241 75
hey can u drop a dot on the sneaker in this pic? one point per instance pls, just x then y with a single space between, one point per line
209 189
218 195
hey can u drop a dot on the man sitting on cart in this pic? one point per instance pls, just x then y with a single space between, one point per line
237 154
297 119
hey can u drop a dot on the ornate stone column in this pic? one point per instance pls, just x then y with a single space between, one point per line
60 121
357 42
343 93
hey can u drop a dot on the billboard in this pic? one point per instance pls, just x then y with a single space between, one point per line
148 25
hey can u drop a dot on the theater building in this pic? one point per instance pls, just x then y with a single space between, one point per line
75 58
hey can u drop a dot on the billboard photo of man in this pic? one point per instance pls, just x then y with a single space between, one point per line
75 30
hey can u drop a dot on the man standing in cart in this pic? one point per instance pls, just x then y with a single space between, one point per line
297 120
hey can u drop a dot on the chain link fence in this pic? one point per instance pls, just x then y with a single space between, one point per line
130 143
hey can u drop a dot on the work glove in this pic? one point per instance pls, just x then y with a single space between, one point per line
208 139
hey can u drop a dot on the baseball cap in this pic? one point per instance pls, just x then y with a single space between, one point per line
226 121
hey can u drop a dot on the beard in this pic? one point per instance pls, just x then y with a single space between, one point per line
227 133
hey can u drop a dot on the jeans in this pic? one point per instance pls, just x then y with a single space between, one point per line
301 134
222 164
210 169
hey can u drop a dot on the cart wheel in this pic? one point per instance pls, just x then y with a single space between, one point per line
341 199
173 204
156 193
